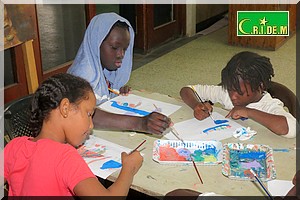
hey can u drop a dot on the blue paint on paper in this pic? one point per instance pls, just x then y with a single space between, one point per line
111 164
129 109
219 121
215 128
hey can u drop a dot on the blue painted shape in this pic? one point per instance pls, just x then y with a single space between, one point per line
219 121
215 128
129 109
281 150
243 118
253 155
111 164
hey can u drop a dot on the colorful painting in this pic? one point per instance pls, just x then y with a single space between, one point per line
239 158
134 105
103 157
207 129
176 152
18 24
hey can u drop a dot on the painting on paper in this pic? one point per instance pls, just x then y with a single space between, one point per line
135 105
206 129
239 158
102 157
176 152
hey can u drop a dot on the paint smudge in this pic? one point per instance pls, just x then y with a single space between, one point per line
220 121
129 107
111 164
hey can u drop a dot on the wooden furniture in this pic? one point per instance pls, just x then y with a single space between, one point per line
261 42
155 179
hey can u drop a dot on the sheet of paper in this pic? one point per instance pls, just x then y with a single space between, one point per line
137 106
206 129
103 157
279 187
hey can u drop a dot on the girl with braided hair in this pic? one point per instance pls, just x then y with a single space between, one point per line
243 91
48 164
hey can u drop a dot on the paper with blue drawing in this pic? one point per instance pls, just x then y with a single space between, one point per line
206 129
102 157
135 105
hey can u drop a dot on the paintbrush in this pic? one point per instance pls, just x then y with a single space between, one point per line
174 131
196 169
261 184
114 91
137 147
199 99
176 134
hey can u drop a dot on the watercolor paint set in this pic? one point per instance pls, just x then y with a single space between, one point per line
239 158
177 152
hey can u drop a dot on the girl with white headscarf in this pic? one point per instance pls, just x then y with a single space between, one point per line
105 60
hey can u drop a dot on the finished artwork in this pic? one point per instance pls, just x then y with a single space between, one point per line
176 152
103 157
239 158
137 106
206 129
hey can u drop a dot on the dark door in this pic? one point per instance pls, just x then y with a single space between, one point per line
154 24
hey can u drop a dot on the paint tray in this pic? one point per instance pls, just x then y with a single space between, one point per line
175 152
238 158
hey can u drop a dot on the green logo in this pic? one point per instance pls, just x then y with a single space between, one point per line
262 23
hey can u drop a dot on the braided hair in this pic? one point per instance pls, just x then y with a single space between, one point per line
251 68
51 92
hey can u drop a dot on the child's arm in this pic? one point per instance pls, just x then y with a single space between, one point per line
276 123
131 163
155 122
200 110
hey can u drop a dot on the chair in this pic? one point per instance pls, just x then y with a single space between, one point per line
16 118
284 94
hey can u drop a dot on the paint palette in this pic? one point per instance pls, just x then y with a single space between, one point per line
176 152
239 158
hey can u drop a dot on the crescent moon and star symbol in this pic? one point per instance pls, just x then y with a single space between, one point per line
241 26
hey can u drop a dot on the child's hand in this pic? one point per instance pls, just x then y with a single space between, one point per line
132 162
155 123
238 112
201 111
125 90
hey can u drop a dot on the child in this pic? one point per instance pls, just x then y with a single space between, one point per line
245 80
48 164
105 60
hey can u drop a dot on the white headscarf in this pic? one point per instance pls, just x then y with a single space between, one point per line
87 62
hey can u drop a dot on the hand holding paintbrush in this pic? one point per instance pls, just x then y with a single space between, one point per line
203 103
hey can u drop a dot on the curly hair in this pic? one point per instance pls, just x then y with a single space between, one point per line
51 92
251 68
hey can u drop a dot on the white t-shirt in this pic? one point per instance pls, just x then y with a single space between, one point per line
217 94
